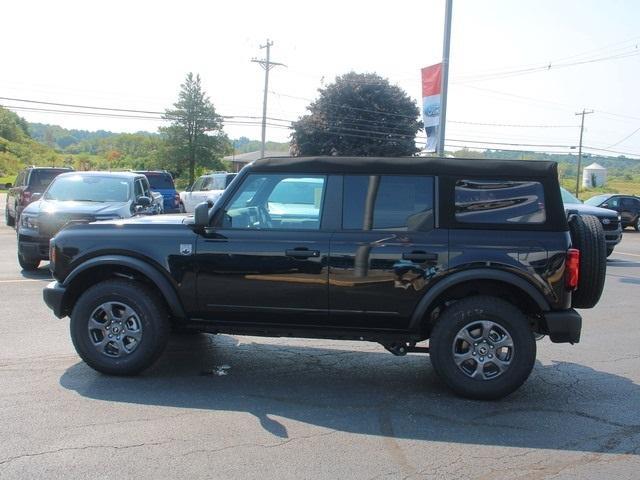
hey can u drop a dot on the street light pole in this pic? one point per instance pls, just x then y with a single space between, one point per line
583 113
445 76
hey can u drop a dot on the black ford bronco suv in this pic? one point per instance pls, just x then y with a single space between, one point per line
475 256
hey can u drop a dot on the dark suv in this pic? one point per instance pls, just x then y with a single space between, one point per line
29 184
628 206
477 257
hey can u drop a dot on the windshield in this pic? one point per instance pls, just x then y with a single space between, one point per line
597 200
567 197
160 181
89 188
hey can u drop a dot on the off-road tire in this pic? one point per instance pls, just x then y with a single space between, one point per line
637 224
147 305
587 236
476 308
9 220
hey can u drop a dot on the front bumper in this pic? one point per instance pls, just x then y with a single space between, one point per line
33 247
562 326
53 295
613 237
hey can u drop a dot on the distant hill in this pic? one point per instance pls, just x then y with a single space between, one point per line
245 145
60 138
23 143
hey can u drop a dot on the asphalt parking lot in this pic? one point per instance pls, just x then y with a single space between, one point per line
249 407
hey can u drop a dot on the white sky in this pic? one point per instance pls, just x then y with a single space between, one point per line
134 54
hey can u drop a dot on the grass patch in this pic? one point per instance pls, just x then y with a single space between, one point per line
614 185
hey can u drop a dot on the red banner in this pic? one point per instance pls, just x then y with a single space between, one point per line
431 80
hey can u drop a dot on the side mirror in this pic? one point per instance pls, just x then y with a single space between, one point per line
8 185
604 205
143 201
201 215
35 197
188 189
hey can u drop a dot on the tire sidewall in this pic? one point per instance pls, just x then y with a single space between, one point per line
153 328
507 317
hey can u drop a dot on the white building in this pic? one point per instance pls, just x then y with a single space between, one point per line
594 175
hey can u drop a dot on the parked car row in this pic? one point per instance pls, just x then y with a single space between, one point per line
43 200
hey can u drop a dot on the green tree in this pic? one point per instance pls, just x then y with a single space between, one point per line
195 137
359 114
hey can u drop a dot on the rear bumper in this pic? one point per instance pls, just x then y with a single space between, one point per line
563 326
53 295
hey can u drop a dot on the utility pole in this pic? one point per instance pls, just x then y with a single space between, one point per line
582 113
267 65
445 75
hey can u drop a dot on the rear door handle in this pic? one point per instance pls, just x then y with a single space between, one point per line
302 252
420 256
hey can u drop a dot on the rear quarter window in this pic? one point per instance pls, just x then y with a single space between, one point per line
499 202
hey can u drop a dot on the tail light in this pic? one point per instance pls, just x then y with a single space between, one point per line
573 268
25 197
176 200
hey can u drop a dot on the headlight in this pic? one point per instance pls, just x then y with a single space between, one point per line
29 221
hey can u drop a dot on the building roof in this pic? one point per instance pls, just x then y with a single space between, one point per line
595 166
410 165
252 156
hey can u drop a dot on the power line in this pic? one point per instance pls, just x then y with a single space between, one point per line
80 106
625 138
547 67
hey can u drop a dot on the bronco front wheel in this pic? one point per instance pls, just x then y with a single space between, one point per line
119 327
482 348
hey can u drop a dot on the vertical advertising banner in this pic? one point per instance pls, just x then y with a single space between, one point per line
431 84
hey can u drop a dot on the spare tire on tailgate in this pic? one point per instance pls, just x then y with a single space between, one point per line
587 236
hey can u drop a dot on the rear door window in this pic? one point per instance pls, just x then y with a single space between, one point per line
387 202
499 202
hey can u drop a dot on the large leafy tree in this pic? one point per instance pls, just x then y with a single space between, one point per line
195 137
359 114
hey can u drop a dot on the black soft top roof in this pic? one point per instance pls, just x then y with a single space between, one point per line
408 165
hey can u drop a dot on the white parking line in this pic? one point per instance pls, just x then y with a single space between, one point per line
625 253
21 280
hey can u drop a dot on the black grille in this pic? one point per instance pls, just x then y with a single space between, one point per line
52 224
612 223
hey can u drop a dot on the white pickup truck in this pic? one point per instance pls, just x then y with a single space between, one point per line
206 187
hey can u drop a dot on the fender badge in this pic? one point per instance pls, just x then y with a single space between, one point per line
186 249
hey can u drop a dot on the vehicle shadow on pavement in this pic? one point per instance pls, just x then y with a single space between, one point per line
563 406
41 273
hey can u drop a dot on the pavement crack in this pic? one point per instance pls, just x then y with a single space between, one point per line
84 447
261 445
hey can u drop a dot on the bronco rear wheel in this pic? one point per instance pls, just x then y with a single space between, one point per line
119 327
482 347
